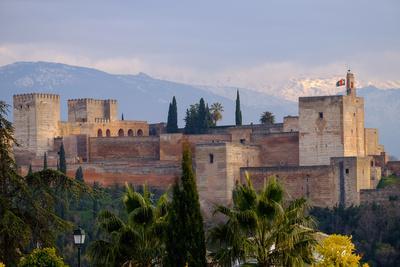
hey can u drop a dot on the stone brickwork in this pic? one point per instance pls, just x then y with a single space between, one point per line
36 118
291 124
372 146
124 148
353 126
388 195
218 169
92 110
278 149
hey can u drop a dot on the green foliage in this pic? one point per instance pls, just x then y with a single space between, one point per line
136 241
172 121
62 161
388 181
260 226
267 118
27 204
216 112
337 250
374 228
238 112
45 161
186 243
198 118
45 257
79 174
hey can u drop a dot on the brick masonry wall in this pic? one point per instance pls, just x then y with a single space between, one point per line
316 183
123 148
278 149
387 195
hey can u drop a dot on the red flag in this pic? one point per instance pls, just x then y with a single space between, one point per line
340 83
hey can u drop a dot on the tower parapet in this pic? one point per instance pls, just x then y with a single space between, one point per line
350 84
90 110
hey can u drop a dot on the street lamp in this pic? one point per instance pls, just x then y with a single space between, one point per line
79 239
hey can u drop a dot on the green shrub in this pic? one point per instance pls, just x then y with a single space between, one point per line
42 257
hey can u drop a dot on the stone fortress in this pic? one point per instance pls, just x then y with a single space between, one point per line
325 154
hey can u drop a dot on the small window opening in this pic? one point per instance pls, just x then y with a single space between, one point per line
242 141
321 115
347 171
211 156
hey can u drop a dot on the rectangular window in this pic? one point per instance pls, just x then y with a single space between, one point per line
211 156
347 171
321 115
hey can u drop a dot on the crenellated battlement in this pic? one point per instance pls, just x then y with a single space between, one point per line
91 101
32 96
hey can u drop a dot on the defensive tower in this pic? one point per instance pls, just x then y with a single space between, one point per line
36 118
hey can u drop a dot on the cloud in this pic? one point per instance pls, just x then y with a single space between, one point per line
378 69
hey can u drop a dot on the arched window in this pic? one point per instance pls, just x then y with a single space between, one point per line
121 132
130 132
99 133
108 133
140 132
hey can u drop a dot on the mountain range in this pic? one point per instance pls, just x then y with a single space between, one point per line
142 97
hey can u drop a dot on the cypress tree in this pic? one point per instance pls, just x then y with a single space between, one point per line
238 112
30 170
186 243
122 117
79 174
63 163
202 121
45 161
172 121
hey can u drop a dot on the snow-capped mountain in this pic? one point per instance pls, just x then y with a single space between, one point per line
142 97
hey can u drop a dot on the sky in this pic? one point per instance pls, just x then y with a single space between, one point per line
254 44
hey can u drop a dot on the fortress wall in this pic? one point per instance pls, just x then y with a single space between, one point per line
171 144
387 195
75 147
394 167
123 148
153 173
279 149
320 129
93 129
88 110
316 183
353 126
291 124
371 139
218 168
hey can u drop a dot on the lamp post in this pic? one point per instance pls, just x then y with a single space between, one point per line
79 239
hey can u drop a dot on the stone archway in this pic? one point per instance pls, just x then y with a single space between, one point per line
140 132
120 132
130 132
99 133
108 133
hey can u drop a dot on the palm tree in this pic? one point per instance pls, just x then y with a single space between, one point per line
216 112
267 117
139 240
259 226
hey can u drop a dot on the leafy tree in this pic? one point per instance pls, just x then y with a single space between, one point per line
267 118
216 112
186 243
63 162
44 257
172 122
26 204
238 112
79 174
136 242
260 226
45 161
337 250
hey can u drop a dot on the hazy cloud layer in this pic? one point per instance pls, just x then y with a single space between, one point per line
256 44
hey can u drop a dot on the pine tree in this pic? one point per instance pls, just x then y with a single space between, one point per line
63 163
45 161
185 244
30 169
79 174
172 122
238 112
